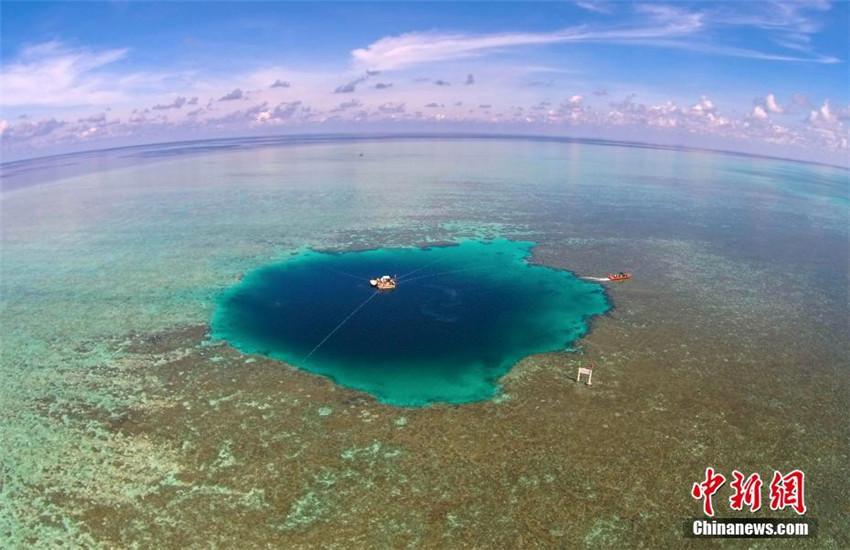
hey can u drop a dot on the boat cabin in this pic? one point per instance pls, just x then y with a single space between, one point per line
383 283
621 276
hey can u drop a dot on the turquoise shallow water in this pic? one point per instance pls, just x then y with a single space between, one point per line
460 318
741 269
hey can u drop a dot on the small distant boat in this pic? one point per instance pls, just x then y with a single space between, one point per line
384 283
621 276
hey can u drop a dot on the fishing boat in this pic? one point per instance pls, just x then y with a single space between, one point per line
621 276
383 283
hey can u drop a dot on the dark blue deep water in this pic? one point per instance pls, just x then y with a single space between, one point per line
460 318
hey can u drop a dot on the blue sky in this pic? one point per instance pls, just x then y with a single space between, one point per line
751 76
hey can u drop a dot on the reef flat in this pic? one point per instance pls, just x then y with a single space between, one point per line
125 424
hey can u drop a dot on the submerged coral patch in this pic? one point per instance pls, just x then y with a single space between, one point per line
459 318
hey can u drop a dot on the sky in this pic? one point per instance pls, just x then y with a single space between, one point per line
756 77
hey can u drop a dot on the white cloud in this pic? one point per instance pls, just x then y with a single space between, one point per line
597 6
571 110
504 95
24 131
287 110
350 86
790 24
675 15
176 104
659 25
706 47
415 48
345 105
234 95
392 108
705 106
759 113
823 117
53 74
771 105
701 118
791 17
826 123
823 130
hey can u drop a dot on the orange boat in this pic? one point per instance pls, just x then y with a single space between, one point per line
621 276
384 283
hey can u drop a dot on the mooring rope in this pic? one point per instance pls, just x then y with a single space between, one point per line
447 273
359 278
339 326
418 269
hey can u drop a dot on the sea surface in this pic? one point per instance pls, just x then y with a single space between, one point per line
127 422
459 318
